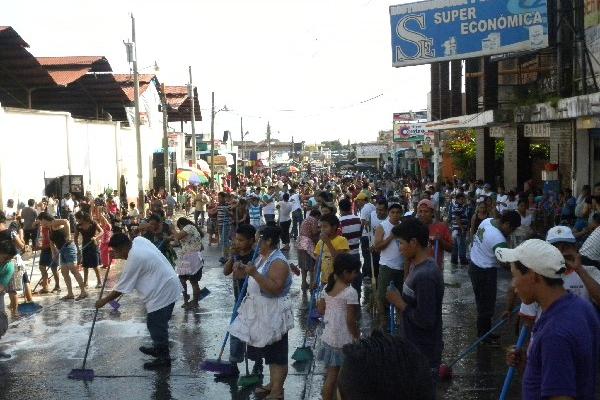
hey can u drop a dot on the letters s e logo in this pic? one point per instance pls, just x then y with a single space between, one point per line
423 46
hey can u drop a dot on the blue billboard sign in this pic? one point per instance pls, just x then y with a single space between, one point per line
440 30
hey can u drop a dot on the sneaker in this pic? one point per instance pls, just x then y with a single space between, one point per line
158 364
229 374
151 351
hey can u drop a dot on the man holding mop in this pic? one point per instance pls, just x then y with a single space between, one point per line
151 274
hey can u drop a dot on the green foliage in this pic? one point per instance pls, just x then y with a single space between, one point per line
333 145
463 150
539 151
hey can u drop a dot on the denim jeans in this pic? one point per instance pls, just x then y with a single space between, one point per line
484 281
297 219
366 253
158 325
459 247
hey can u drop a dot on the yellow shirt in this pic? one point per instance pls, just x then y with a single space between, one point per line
340 244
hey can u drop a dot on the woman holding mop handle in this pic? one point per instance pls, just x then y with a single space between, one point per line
152 275
265 315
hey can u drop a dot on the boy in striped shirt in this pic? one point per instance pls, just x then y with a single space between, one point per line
255 212
351 227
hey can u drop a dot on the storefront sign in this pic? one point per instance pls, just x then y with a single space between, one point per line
406 131
537 130
410 116
438 30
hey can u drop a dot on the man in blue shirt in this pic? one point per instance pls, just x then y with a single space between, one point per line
562 358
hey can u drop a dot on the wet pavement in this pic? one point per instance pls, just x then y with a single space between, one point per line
47 345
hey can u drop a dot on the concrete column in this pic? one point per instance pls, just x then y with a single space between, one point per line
511 157
445 103
561 141
485 156
435 92
582 159
456 88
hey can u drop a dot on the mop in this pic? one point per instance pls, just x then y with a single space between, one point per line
373 281
83 374
445 371
314 313
29 307
217 365
305 353
392 311
511 371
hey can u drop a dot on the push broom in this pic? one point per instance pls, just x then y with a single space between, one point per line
445 370
29 307
249 379
83 374
305 353
218 365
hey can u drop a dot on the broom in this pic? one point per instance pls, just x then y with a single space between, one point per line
511 371
217 365
249 379
305 353
28 307
83 374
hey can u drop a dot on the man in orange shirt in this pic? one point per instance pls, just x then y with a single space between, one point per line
438 231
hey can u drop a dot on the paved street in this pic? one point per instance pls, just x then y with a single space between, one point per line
46 346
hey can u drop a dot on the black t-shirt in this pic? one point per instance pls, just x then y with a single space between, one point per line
238 283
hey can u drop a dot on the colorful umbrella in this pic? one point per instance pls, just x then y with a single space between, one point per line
203 166
191 175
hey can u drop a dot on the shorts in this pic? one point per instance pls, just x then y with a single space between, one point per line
305 261
30 234
330 356
68 254
90 257
274 353
192 278
46 259
211 226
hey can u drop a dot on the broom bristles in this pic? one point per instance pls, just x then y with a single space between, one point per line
216 366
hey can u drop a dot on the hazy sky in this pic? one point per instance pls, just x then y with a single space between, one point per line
318 60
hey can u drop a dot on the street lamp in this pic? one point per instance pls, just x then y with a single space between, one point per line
213 113
131 50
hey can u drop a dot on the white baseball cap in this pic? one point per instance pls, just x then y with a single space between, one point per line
537 255
560 234
591 247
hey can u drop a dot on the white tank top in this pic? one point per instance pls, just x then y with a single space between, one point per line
391 256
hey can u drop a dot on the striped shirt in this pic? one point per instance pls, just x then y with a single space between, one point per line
351 229
255 215
222 212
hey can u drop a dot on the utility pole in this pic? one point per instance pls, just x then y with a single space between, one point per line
166 157
212 142
269 148
191 94
138 136
242 134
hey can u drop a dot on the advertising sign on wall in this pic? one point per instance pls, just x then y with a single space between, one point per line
438 30
410 116
409 131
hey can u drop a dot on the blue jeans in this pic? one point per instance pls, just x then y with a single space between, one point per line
296 221
459 247
158 325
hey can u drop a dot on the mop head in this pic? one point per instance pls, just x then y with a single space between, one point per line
203 293
115 305
302 354
79 374
445 372
247 381
28 308
218 366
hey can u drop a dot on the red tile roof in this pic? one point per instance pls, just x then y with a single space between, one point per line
126 82
66 70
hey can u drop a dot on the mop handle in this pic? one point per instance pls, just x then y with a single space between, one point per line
32 264
435 254
511 371
481 339
392 315
312 298
87 347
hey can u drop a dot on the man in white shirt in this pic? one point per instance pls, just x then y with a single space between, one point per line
490 235
152 276
365 208
297 219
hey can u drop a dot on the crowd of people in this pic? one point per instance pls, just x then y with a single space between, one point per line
348 232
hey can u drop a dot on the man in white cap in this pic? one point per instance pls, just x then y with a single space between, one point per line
563 353
581 280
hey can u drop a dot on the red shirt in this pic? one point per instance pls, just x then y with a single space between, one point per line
438 229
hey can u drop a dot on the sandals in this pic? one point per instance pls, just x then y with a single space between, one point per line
68 297
44 291
261 392
82 296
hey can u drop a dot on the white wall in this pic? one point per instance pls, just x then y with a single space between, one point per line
43 143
